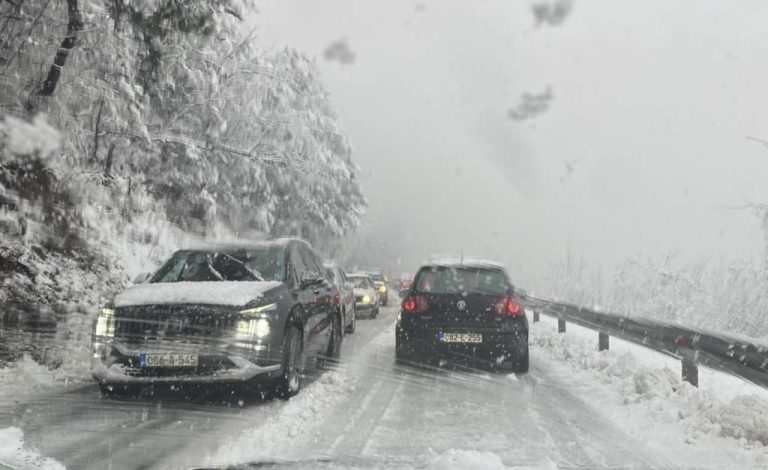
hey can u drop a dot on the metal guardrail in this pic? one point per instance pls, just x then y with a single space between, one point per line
693 347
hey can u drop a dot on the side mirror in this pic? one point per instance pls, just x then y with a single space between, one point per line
142 278
310 278
403 293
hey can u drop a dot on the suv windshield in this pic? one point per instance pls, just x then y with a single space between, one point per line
263 264
445 280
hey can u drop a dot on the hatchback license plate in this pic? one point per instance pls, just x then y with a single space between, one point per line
167 360
460 337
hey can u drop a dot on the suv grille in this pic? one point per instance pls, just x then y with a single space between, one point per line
188 323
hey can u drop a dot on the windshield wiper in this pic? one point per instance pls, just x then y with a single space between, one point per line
255 274
212 269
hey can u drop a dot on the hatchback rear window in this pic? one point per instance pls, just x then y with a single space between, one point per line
459 280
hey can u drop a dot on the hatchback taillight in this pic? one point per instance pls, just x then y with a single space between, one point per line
415 304
509 307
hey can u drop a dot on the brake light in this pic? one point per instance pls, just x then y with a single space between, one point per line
415 304
337 299
509 306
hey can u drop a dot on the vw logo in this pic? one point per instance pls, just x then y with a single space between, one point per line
461 305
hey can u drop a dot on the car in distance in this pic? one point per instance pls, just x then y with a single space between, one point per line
463 309
404 281
382 284
242 313
344 297
366 297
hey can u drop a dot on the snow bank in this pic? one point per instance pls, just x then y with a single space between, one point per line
14 455
641 391
235 293
23 377
285 422
37 138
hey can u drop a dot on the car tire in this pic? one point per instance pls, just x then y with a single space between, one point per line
353 324
289 382
401 352
333 351
521 364
375 312
403 349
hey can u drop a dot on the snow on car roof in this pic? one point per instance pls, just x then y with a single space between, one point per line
463 261
358 275
240 244
371 270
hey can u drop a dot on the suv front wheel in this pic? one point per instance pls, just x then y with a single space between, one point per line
289 382
334 342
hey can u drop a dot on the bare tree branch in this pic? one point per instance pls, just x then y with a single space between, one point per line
94 155
757 139
74 26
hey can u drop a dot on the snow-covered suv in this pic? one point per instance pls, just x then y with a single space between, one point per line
249 312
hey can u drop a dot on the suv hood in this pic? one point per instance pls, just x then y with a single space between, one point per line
234 293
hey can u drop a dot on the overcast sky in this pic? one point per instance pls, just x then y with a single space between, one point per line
652 103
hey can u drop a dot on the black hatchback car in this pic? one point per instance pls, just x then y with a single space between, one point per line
245 313
465 310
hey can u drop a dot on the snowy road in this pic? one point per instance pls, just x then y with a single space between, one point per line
368 411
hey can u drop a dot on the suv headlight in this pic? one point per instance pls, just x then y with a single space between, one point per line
257 311
366 299
105 323
254 323
249 330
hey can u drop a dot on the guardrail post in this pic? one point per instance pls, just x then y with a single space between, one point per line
603 341
536 317
690 370
561 325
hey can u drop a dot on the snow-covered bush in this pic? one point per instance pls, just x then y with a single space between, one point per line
716 296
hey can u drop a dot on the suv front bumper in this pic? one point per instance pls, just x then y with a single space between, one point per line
115 363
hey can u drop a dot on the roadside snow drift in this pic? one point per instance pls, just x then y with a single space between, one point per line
723 422
14 455
285 422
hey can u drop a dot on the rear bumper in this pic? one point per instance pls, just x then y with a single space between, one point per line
364 308
120 364
496 347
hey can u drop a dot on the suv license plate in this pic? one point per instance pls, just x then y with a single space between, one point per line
460 337
167 360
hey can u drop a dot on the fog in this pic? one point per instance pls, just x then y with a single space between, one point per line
643 149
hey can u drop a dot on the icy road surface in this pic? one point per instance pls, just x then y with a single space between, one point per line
365 412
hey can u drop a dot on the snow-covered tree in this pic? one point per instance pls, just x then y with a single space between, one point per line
144 120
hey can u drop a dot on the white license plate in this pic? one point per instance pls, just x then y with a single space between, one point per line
167 360
460 337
